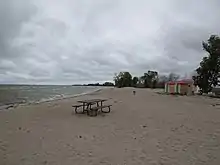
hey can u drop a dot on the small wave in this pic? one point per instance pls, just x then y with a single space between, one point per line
62 96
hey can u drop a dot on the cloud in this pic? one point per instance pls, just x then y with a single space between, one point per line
81 41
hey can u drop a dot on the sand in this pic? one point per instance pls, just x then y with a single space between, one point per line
147 128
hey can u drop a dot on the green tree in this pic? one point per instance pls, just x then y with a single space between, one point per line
108 84
123 79
144 79
153 78
150 79
208 73
135 81
140 82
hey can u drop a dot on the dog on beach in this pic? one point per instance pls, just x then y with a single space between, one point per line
134 92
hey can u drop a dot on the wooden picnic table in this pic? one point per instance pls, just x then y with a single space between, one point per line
87 106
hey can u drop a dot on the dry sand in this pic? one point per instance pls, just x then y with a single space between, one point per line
147 128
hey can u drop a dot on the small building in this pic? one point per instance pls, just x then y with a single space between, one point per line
183 87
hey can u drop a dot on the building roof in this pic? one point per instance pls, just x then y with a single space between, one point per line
181 82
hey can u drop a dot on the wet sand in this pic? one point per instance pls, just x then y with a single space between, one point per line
147 128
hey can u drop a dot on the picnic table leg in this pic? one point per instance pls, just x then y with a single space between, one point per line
96 112
87 107
73 111
76 110
101 106
83 107
90 112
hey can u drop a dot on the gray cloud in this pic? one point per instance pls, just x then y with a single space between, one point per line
12 15
66 42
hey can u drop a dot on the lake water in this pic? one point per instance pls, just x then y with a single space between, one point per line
10 94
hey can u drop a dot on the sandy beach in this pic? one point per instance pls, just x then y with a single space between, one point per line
148 128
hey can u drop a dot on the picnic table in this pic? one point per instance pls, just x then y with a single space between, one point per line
92 106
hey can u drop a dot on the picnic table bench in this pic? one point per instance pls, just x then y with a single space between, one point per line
92 110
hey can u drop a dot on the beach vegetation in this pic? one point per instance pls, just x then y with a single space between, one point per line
208 73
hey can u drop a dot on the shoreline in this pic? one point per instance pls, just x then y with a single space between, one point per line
68 97
15 105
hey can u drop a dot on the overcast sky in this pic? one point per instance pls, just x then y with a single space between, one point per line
80 41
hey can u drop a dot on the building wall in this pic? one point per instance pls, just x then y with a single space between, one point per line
180 88
171 88
183 89
187 89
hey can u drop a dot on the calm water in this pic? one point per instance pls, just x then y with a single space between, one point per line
10 94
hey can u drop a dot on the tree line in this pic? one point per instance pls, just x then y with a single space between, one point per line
96 84
151 79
